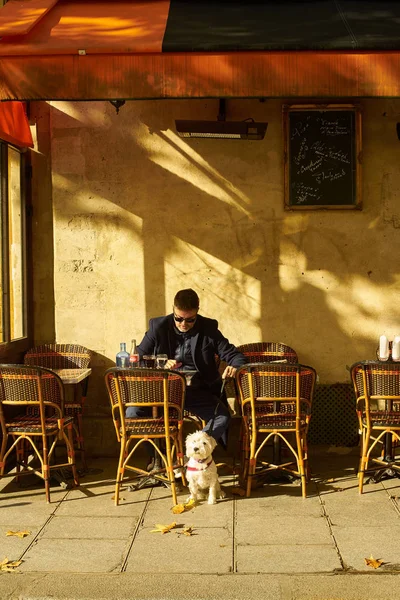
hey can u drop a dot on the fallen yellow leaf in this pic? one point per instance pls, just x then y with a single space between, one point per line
373 562
9 566
20 534
180 508
163 528
187 531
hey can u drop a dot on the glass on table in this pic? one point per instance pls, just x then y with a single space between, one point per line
149 361
161 361
189 376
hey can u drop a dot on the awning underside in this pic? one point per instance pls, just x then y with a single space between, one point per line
197 48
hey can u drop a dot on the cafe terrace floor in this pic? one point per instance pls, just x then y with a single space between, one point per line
272 545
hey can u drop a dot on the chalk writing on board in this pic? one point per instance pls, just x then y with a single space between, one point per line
322 157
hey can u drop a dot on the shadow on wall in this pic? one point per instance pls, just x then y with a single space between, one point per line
212 218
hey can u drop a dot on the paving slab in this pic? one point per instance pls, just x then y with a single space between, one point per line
209 550
359 542
159 510
75 556
282 530
373 510
128 586
26 513
273 506
97 500
13 547
286 558
112 528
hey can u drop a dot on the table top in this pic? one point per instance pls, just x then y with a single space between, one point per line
71 376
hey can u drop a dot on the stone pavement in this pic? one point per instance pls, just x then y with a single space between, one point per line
272 545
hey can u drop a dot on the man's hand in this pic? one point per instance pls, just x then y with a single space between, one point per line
172 364
229 372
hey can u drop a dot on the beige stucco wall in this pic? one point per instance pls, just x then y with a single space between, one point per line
139 213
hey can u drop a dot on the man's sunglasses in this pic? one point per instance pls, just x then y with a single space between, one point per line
181 319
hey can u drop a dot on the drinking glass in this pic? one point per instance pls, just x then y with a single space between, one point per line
161 361
149 361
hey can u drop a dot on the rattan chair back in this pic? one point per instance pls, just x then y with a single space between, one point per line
38 394
66 356
22 385
265 352
162 392
276 400
59 356
377 389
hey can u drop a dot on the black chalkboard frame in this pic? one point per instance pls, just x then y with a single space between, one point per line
353 184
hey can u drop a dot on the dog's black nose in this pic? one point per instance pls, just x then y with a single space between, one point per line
196 449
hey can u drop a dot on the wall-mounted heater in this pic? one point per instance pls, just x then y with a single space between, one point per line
235 130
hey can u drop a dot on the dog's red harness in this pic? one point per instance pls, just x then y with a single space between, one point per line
196 469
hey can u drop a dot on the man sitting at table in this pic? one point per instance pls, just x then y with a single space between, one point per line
192 342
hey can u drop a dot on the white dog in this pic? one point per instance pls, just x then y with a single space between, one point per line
201 470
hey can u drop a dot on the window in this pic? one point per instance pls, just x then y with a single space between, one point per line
13 324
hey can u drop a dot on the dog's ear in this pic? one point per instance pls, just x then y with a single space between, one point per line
188 438
213 442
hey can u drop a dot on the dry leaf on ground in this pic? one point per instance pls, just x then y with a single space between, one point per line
186 531
9 566
180 508
163 528
375 563
20 534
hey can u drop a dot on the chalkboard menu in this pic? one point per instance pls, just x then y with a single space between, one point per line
322 154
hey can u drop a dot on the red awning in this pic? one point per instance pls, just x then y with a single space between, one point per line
97 49
14 126
18 17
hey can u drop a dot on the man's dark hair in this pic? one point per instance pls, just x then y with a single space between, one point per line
186 300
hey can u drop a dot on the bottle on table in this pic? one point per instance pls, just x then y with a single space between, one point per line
122 358
396 348
383 353
133 356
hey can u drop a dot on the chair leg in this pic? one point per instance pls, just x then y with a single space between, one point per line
250 473
120 470
363 461
71 454
170 469
300 464
81 441
244 454
179 445
46 468
2 453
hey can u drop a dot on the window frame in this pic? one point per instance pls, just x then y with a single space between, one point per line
11 350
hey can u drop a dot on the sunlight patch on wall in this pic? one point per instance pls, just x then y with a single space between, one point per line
176 156
226 294
292 263
68 115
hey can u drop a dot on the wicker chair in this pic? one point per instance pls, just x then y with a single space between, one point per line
276 401
265 352
164 392
377 389
66 356
34 387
